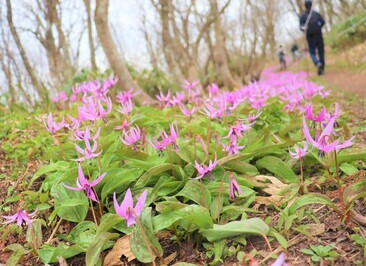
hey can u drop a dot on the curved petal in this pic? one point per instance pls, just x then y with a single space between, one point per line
117 207
127 202
321 115
130 220
346 144
328 129
80 150
81 176
140 203
71 188
97 181
10 219
307 133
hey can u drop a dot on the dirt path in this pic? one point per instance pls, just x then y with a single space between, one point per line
347 81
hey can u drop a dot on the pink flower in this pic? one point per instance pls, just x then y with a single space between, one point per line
211 112
299 152
173 134
125 126
310 116
86 135
126 209
89 152
187 112
125 96
238 130
205 170
21 216
131 137
160 146
83 184
162 98
101 111
233 148
52 126
190 85
280 261
324 142
126 108
213 89
234 188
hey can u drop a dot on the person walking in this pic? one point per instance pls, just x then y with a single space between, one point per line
295 52
312 22
281 57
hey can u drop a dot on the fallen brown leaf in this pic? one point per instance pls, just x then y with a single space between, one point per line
121 248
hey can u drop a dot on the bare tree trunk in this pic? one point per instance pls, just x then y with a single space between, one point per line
169 47
90 35
42 92
115 59
219 53
7 72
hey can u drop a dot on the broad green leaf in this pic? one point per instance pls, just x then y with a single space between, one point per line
58 166
93 253
283 242
70 205
195 214
348 169
49 254
279 168
107 222
197 192
81 227
138 239
309 199
233 157
242 167
156 170
348 158
18 253
253 226
118 180
37 233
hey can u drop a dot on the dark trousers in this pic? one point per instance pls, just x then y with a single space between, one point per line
316 44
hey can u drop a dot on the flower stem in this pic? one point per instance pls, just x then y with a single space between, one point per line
340 189
171 160
54 231
92 209
208 140
301 190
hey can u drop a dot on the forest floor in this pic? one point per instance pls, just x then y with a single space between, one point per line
349 87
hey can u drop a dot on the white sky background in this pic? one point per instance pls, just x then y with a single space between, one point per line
125 21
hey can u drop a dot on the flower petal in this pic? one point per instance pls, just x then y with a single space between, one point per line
140 203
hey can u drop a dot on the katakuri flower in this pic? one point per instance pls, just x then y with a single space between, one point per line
205 170
126 209
131 137
233 147
83 184
310 115
299 152
21 216
324 142
89 152
234 188
280 261
52 126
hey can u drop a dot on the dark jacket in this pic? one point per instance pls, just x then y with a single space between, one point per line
315 24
